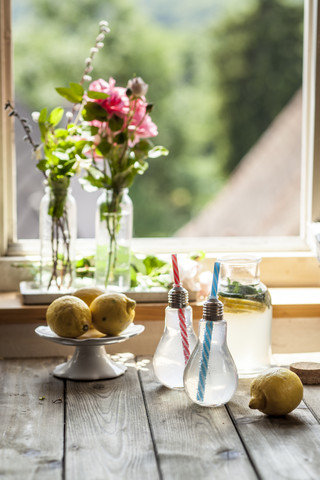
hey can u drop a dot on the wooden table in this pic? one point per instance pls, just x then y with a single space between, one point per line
133 428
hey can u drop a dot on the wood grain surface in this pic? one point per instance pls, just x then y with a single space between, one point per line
192 441
31 419
107 431
132 428
279 447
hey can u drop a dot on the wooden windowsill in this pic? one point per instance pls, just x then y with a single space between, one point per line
287 303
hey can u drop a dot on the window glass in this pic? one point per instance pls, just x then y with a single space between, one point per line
225 81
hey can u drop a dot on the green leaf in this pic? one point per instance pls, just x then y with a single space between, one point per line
77 89
56 116
72 93
42 165
43 115
94 130
61 133
121 138
104 148
91 184
151 263
97 95
115 123
144 146
94 111
67 166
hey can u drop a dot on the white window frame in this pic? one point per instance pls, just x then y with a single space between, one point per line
294 252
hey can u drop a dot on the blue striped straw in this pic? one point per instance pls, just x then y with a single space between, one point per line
207 339
215 280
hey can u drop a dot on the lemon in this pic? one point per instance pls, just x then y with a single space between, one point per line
112 313
241 305
277 392
68 316
88 294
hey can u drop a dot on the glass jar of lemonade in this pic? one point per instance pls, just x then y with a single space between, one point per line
248 312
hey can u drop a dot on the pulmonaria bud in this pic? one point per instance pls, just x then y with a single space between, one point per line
138 87
35 116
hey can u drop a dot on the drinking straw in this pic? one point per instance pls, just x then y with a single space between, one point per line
207 339
181 315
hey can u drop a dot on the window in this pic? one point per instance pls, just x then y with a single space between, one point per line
310 195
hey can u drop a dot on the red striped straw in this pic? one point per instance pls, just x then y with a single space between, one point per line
175 268
182 318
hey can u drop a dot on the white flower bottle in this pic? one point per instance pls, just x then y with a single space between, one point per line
58 233
114 223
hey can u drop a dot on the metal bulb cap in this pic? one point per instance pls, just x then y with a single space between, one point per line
213 310
178 297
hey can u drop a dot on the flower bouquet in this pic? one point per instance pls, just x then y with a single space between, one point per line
107 136
116 126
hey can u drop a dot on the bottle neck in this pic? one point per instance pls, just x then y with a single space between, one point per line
213 332
244 270
172 318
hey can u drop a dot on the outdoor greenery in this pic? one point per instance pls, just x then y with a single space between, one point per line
257 59
216 80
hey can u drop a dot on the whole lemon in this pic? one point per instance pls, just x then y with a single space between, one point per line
112 313
88 294
277 392
68 316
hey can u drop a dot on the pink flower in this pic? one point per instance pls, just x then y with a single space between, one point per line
134 113
141 124
117 103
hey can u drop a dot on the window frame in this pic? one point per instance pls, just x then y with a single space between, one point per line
276 248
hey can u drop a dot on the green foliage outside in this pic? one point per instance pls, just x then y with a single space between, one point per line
257 59
206 126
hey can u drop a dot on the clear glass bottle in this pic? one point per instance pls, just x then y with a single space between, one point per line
114 224
169 359
210 377
248 312
58 234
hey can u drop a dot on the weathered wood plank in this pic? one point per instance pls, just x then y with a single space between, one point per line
31 419
280 447
107 432
192 442
311 397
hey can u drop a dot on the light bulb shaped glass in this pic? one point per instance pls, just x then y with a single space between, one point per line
210 377
169 359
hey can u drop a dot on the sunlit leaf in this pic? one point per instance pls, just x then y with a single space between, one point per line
97 95
42 165
56 116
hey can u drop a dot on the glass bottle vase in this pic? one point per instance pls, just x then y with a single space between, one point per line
114 223
58 233
248 312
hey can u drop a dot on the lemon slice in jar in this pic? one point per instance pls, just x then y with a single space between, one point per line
241 305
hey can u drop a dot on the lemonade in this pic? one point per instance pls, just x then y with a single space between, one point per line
248 312
249 339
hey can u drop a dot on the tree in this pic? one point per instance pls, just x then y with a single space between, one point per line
257 59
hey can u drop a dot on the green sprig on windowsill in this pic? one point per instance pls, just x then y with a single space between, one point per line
147 272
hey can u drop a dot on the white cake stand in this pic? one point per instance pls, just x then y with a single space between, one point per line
90 360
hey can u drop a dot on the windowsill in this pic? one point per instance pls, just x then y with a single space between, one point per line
287 303
295 326
287 262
